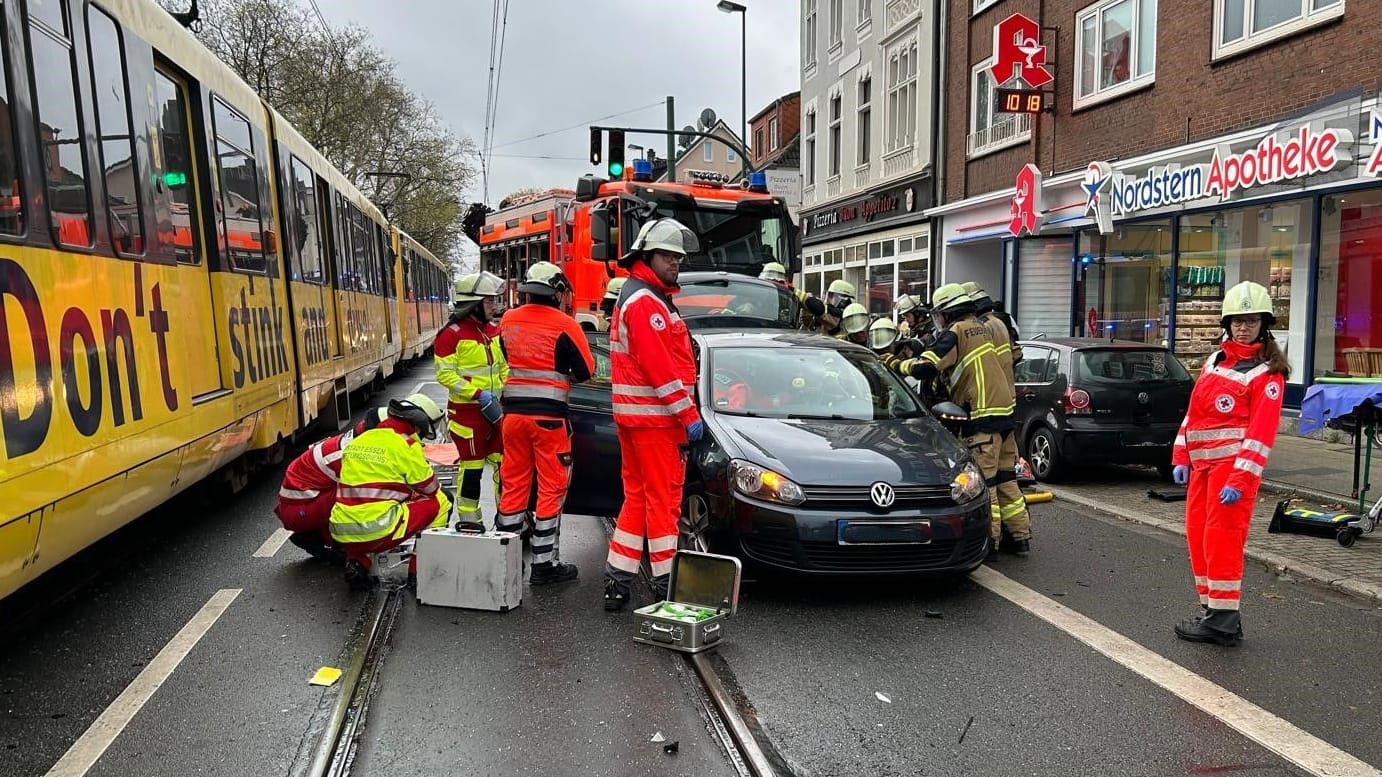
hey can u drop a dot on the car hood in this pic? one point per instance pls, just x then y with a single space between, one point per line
910 451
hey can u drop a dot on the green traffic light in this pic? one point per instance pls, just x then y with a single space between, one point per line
616 170
173 179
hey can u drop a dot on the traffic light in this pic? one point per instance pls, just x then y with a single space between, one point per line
616 154
595 141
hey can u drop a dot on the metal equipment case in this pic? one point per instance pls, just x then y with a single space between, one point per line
474 571
702 579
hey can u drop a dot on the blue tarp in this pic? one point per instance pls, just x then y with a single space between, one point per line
1326 402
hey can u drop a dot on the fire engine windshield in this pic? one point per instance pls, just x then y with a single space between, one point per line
736 239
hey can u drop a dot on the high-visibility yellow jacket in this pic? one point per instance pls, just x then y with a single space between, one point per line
380 471
468 360
965 354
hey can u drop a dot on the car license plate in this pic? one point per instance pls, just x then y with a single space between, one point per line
884 532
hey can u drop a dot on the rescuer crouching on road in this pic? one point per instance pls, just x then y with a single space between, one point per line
653 376
547 351
1221 453
470 363
388 491
309 491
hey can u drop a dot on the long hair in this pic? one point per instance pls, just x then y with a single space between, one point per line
1275 359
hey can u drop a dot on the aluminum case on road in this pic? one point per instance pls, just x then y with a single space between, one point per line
699 580
472 571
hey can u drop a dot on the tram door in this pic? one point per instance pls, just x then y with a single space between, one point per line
176 180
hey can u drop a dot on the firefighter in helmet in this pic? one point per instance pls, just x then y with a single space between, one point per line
470 363
883 336
854 324
607 301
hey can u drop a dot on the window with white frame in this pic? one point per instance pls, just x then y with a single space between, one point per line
808 33
902 96
837 15
758 149
1116 41
810 148
708 151
980 5
730 156
836 111
990 130
865 11
772 133
865 128
1243 24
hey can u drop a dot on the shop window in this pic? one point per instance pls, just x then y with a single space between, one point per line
59 125
990 130
117 134
904 246
1348 331
1244 24
11 196
1125 280
828 278
880 290
241 223
1116 41
914 278
902 96
175 204
1267 244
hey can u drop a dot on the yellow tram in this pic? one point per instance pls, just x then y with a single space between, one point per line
232 293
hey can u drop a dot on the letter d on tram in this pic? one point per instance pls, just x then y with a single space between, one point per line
23 388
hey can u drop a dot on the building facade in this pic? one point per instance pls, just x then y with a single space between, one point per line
868 89
710 154
1185 147
775 149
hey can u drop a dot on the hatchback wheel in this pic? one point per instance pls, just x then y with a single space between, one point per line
693 528
1043 455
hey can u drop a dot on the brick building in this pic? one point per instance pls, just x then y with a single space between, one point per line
775 148
1187 146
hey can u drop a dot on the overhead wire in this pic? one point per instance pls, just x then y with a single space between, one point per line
498 82
489 97
580 124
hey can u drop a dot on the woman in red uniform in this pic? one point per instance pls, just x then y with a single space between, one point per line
1221 452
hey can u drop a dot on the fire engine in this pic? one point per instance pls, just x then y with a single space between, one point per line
583 231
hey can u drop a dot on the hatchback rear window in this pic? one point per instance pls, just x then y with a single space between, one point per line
1128 365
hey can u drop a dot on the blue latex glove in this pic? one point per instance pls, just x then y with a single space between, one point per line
1229 495
1180 474
485 397
695 431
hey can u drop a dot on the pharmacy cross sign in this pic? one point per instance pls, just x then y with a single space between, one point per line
1019 53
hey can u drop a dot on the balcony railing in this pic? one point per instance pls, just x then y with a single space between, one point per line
861 177
899 162
1006 133
833 186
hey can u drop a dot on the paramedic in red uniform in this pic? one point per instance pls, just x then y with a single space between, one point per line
309 490
1221 452
546 350
654 377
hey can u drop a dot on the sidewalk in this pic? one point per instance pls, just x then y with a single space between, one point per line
1320 468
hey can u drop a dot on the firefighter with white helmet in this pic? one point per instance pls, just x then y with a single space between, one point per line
607 301
854 324
775 272
882 336
471 365
547 352
653 379
387 490
1221 453
964 355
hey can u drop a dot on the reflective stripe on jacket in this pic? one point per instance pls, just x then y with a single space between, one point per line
468 360
546 350
965 354
1233 415
652 368
380 470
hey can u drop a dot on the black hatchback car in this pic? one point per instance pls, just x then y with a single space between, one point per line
1107 401
815 458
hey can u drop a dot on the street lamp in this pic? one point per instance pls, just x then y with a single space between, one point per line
728 6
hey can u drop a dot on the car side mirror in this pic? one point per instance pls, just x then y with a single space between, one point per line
601 242
949 411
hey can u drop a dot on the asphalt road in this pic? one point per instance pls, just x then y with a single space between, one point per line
557 687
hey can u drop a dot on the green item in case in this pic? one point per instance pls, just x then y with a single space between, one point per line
683 612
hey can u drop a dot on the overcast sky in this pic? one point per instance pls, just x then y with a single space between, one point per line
570 62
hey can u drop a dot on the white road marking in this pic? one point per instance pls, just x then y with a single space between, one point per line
1305 750
84 753
418 388
273 543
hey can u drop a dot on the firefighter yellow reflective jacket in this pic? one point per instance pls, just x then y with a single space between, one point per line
965 355
380 471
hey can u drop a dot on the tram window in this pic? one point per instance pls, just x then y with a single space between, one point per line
11 197
242 227
47 11
175 205
306 251
59 127
109 83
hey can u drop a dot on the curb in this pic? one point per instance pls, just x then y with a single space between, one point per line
1275 562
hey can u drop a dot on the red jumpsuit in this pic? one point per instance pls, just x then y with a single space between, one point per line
1225 438
654 377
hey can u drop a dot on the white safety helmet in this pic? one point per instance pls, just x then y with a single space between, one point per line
839 294
855 319
906 303
774 271
882 334
478 285
667 235
544 278
613 287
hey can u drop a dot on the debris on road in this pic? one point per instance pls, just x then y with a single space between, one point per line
968 723
671 747
325 677
658 737
882 698
934 614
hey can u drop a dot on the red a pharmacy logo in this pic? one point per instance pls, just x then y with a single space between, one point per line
1018 53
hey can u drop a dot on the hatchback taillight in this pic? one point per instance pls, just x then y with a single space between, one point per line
1076 401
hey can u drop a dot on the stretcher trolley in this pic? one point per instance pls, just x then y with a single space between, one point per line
1350 405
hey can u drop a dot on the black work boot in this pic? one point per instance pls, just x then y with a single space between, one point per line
1204 612
616 595
1220 627
358 577
992 554
316 547
553 572
1019 547
661 588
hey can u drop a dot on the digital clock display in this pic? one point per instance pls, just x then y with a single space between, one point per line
1019 100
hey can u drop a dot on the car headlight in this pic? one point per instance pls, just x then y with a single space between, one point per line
760 483
968 484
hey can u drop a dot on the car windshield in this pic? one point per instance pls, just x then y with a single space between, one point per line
740 298
738 239
1127 365
806 383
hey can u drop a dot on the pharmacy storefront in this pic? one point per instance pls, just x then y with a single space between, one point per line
880 242
1144 249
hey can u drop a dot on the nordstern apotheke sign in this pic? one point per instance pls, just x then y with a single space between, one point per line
1299 153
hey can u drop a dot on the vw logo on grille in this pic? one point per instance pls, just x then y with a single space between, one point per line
882 494
1144 397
